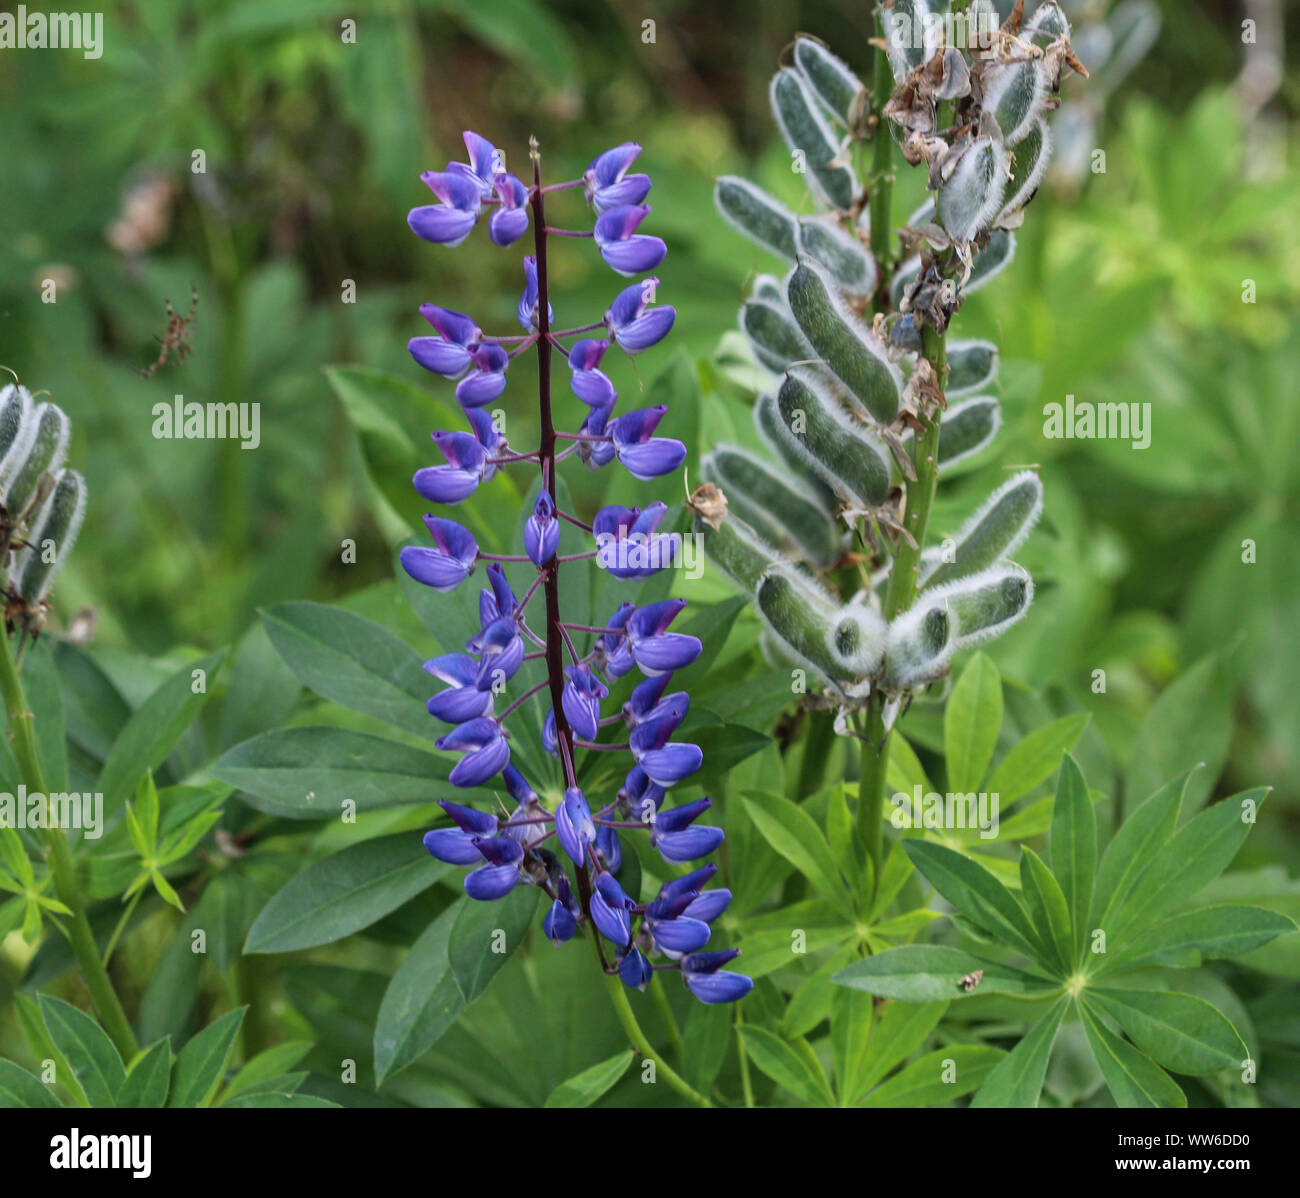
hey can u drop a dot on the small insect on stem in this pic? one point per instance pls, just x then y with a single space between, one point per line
971 980
176 338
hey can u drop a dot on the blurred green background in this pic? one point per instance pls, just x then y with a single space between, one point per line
1128 286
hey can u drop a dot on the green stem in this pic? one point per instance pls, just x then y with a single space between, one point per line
746 1085
627 1017
121 926
62 868
873 766
666 1016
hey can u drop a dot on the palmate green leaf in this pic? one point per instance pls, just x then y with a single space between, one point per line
1149 827
792 1065
1034 759
810 1004
893 877
1197 854
154 728
971 723
923 1084
308 773
21 1090
345 893
1132 1077
793 833
584 1088
1048 909
86 1047
31 1021
926 973
149 1077
902 1028
357 664
1074 852
1179 1031
202 1061
975 893
1206 933
770 950
1017 1080
447 968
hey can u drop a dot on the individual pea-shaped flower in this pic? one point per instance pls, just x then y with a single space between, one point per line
639 798
581 698
634 970
673 931
542 531
501 651
457 845
501 873
627 544
652 646
460 477
624 249
561 920
609 852
450 222
631 326
647 700
663 761
606 182
463 699
486 162
709 982
574 827
447 565
644 455
486 751
673 834
612 650
589 383
596 449
529 302
703 904
488 378
510 221
611 911
494 604
448 353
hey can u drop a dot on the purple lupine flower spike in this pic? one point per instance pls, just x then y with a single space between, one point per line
607 183
632 324
504 852
542 531
448 565
624 249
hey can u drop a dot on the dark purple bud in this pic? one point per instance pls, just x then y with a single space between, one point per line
611 911
609 852
634 970
529 302
574 827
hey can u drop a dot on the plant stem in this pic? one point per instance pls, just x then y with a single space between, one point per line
746 1086
78 929
666 1016
882 179
626 1016
873 766
121 926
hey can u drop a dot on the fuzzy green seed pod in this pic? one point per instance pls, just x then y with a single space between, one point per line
843 342
845 258
986 604
778 508
827 77
972 365
971 196
847 458
759 216
805 130
48 449
998 528
736 550
1029 159
773 333
987 265
918 645
54 532
801 616
857 641
785 446
967 428
17 429
1016 93
910 36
